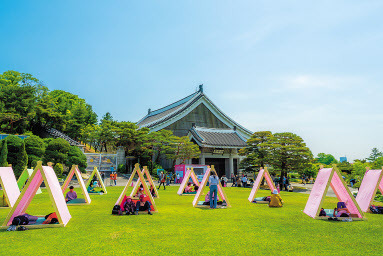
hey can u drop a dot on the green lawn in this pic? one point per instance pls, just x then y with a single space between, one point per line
180 229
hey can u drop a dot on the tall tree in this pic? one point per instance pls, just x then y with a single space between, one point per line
286 152
375 154
255 156
183 149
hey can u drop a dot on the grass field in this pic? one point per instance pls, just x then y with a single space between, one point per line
180 229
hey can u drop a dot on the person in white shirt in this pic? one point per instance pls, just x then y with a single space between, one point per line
213 184
244 181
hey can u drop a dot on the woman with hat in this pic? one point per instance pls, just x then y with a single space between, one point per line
275 199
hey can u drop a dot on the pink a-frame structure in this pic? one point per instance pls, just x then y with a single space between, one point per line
203 183
9 185
40 174
189 174
325 178
263 173
81 182
372 181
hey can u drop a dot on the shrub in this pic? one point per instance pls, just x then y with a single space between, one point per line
77 157
22 160
13 145
121 168
57 151
58 168
35 148
4 153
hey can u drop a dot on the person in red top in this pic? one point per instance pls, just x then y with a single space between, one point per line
51 218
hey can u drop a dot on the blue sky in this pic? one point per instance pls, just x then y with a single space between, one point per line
312 68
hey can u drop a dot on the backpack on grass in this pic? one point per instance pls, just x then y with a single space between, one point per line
116 209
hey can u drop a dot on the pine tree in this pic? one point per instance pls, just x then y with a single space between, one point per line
4 154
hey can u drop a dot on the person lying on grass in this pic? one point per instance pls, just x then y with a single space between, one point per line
275 199
143 205
51 218
129 206
71 194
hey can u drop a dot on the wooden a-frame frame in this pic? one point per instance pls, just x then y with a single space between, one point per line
96 172
372 181
9 186
75 171
146 173
263 173
145 186
40 174
331 177
203 183
189 174
24 176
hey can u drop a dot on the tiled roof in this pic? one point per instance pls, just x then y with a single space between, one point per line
212 137
162 114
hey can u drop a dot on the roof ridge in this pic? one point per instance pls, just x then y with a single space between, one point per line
177 103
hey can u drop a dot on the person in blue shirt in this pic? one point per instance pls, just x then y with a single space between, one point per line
213 184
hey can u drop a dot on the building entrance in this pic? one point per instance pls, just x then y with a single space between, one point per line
219 165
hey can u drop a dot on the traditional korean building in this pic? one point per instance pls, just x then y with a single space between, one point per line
196 116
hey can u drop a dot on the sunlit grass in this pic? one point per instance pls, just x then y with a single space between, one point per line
180 229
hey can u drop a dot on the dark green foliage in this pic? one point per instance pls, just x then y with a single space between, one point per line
4 153
57 151
14 144
22 160
325 159
26 105
286 152
77 157
121 168
255 156
35 148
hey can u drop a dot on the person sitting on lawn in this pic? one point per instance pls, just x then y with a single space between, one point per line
143 205
140 191
51 218
91 189
71 194
196 187
129 206
275 199
189 188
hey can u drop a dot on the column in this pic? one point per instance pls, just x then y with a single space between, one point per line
231 166
202 159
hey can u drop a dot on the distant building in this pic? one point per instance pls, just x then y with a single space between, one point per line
196 116
343 159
